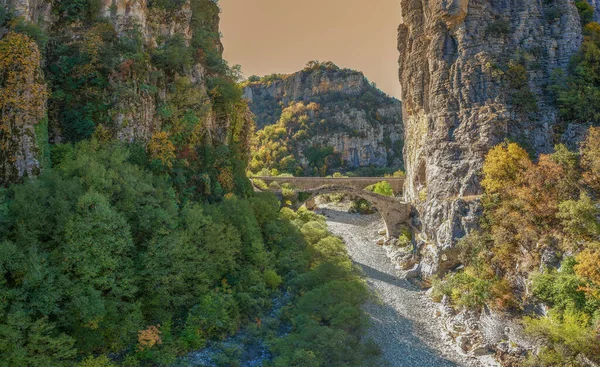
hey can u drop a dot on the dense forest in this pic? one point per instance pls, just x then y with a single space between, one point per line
131 235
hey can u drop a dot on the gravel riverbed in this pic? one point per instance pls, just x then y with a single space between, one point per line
403 322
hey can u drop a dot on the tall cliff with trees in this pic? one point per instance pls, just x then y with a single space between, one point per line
323 119
502 150
136 71
129 233
474 73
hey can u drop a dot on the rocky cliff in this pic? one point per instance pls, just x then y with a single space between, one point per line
473 73
127 69
359 123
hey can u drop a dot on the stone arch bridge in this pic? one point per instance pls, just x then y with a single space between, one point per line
393 210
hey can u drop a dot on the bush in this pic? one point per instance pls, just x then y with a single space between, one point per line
567 335
560 290
382 188
173 56
273 279
586 11
498 28
361 206
168 5
519 94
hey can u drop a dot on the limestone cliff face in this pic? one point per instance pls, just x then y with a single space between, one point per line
36 11
473 73
135 115
363 125
134 86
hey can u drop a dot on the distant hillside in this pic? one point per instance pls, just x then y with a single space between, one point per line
323 119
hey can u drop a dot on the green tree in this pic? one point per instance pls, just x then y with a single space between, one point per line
97 261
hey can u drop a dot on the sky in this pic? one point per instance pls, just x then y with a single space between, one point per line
281 36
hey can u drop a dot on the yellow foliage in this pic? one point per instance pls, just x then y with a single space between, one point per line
503 167
149 337
225 178
161 148
590 159
22 91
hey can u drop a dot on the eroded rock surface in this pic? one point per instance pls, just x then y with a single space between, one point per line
473 73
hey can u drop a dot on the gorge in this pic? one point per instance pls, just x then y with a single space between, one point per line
150 194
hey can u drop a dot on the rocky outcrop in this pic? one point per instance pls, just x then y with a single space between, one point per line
484 332
361 124
36 11
22 108
473 73
135 115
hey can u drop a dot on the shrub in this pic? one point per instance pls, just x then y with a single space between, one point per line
567 336
498 28
273 279
519 94
586 11
361 206
168 5
173 55
383 188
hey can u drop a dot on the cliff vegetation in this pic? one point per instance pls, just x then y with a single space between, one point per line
129 233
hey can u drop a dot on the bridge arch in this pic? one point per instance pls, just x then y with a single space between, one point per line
394 211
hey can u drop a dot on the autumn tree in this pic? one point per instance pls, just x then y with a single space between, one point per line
504 166
591 158
162 149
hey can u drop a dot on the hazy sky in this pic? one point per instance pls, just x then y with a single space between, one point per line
280 36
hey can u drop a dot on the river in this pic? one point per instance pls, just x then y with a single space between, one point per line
403 322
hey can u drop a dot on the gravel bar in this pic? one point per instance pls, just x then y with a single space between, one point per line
402 322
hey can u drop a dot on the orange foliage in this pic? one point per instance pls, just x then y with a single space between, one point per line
522 203
588 267
149 337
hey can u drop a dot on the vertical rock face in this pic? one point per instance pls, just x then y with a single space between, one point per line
37 11
473 73
134 108
135 115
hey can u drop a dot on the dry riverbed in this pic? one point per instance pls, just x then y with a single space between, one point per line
403 322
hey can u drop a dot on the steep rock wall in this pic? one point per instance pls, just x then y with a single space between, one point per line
473 73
